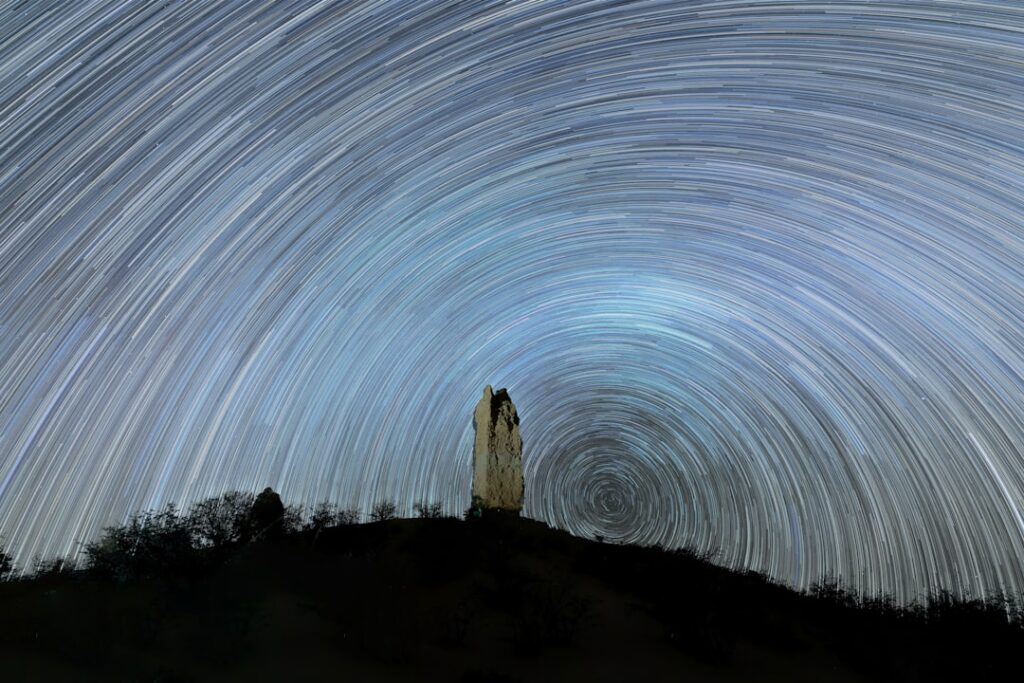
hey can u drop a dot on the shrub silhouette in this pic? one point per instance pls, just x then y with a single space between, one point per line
51 568
426 510
291 520
475 509
348 517
383 511
6 564
326 515
830 592
150 544
222 520
166 542
323 516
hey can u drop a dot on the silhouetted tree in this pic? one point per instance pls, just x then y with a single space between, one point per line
426 510
326 515
151 543
323 516
475 509
52 567
6 564
291 520
220 521
348 517
830 591
383 511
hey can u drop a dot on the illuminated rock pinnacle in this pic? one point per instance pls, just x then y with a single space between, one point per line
497 453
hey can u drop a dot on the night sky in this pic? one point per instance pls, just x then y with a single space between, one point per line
752 271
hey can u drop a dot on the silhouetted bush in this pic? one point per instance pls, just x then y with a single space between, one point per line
326 515
475 509
383 511
428 510
221 521
882 604
323 516
994 613
151 543
291 520
6 565
348 517
830 592
165 542
51 568
969 636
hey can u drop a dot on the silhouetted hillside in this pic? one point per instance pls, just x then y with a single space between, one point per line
210 597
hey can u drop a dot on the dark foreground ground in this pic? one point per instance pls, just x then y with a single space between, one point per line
495 599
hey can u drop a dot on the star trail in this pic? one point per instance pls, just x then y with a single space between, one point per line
752 271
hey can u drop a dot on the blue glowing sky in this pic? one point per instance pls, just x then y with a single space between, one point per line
752 271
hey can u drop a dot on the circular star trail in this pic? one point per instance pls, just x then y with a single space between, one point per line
752 271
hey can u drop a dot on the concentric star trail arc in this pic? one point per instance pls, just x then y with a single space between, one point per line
751 270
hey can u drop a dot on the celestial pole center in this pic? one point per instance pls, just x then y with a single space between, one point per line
752 271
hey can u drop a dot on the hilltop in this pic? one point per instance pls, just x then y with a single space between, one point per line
499 599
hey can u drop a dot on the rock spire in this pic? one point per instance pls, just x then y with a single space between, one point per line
497 453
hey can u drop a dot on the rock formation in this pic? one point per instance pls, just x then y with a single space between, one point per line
266 515
497 453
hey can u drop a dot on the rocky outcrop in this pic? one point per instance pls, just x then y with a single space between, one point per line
497 453
266 515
